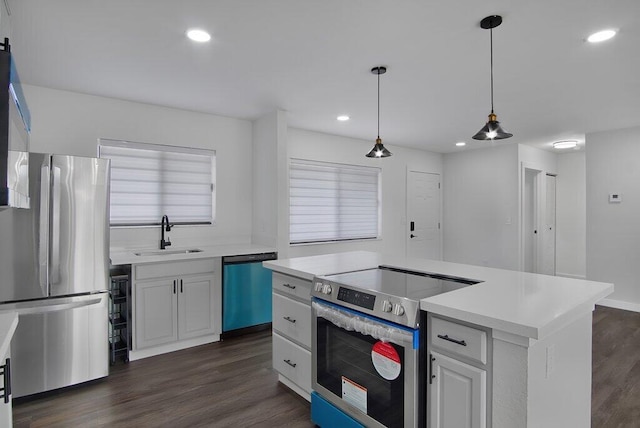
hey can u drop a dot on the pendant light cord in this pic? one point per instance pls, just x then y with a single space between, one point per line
378 104
491 42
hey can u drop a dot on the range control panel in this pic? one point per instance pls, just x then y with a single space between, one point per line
358 298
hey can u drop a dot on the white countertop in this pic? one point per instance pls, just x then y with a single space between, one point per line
125 256
8 324
520 303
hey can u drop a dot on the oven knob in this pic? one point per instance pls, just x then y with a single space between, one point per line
398 310
318 286
326 289
386 306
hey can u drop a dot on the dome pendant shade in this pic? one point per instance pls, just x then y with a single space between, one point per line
492 130
378 150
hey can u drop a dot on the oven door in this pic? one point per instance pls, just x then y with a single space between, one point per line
365 366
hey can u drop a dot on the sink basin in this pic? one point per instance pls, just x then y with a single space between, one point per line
167 252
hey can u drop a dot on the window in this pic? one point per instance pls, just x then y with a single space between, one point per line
332 202
149 181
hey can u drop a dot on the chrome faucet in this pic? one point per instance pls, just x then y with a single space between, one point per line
164 225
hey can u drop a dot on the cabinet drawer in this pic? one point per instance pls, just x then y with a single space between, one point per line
293 286
173 269
292 362
459 339
292 319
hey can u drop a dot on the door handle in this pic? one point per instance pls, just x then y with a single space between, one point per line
55 226
290 363
5 391
174 286
431 375
291 320
412 226
43 248
413 236
458 342
181 288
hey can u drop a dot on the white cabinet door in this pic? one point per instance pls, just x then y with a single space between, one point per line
195 306
6 415
156 312
458 394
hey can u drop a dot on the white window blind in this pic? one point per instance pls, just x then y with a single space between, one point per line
332 202
149 181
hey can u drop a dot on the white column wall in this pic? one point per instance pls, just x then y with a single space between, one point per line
613 229
571 216
481 207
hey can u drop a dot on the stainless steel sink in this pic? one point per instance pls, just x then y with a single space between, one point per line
167 252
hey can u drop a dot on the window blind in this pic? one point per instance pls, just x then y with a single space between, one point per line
332 202
149 181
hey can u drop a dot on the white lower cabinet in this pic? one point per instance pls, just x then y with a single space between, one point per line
6 413
175 308
460 368
459 394
292 332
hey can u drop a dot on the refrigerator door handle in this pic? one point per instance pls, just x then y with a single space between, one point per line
55 226
43 247
28 308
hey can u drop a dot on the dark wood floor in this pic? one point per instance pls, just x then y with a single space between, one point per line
231 384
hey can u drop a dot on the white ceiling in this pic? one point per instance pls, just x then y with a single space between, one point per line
312 58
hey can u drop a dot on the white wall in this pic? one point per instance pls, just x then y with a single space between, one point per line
480 194
613 229
71 123
265 183
571 216
329 148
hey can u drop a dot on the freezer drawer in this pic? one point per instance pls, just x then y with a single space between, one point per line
59 342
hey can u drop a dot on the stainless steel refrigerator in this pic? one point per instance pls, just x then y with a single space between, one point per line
54 268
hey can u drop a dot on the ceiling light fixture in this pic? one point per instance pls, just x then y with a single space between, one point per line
343 118
461 144
601 36
198 35
378 150
567 144
492 130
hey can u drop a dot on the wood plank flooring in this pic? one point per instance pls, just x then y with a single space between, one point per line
231 384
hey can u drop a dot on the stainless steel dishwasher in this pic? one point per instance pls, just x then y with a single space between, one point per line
246 293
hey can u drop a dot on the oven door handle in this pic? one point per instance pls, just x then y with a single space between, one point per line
363 325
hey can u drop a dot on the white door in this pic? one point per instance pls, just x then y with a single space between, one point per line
423 215
458 394
548 256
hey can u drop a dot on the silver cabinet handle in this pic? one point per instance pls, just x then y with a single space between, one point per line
291 320
293 287
290 363
458 342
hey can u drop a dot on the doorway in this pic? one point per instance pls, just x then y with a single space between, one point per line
538 241
423 215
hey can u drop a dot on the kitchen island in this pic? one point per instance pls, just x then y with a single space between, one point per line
540 333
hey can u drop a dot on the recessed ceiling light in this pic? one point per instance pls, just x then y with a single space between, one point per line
198 35
568 144
343 118
461 144
601 36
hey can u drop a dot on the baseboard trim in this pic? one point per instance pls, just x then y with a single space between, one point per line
620 304
570 275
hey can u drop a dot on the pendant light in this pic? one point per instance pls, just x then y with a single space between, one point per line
378 150
492 130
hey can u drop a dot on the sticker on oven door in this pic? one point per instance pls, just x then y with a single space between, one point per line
354 394
386 360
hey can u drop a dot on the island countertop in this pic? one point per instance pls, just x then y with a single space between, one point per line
525 304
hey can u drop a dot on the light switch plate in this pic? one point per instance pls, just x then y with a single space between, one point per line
615 198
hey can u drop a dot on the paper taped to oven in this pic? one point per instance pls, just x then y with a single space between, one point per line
354 394
364 325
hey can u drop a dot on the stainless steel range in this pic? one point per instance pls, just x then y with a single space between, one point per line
369 347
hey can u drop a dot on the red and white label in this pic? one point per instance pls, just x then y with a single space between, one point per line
386 360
